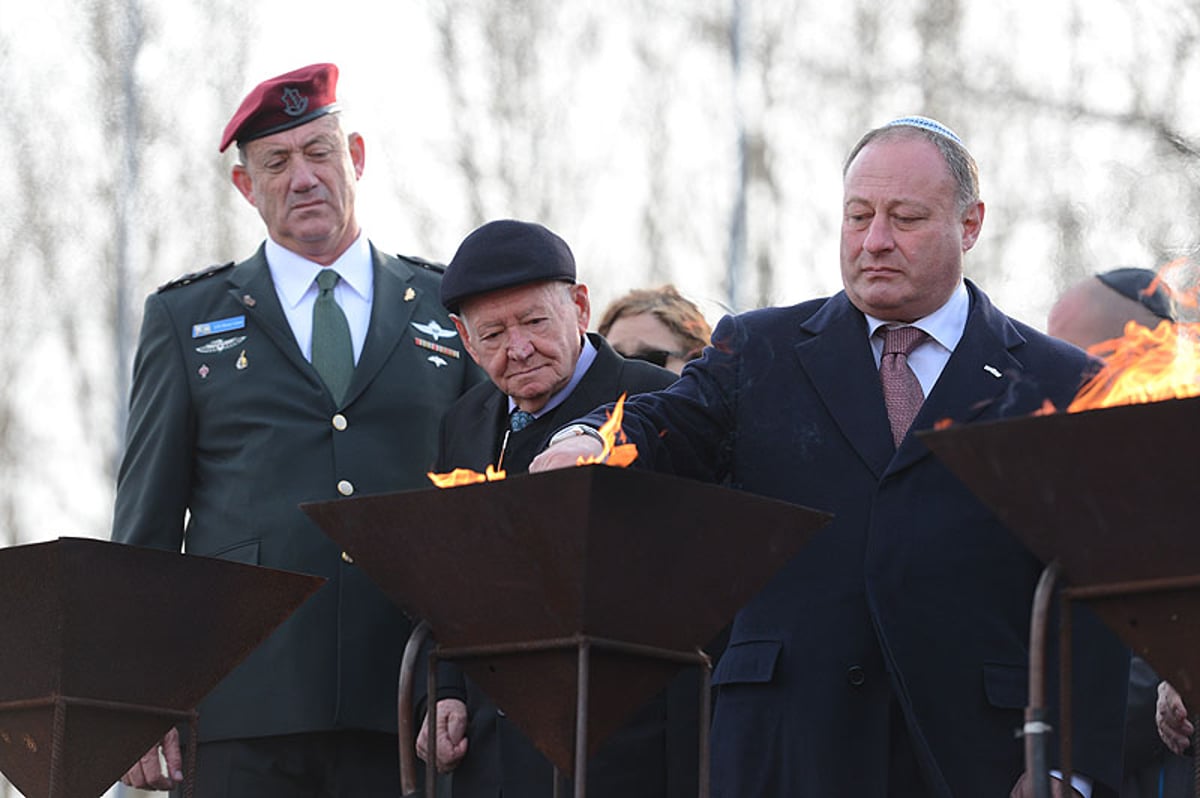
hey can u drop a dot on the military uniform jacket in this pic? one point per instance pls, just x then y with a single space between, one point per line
915 599
230 424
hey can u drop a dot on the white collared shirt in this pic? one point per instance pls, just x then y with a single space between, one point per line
295 279
945 327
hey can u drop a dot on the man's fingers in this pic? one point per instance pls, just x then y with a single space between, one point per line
422 744
173 756
148 774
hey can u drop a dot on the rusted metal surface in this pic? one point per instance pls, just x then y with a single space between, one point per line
1110 494
1160 620
603 553
107 646
1117 485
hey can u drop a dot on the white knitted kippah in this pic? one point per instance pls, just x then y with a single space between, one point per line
925 123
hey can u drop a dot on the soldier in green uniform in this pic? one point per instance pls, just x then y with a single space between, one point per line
318 367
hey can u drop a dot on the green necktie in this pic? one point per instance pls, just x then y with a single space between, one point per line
332 351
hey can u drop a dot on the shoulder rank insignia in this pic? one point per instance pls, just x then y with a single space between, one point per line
432 266
192 277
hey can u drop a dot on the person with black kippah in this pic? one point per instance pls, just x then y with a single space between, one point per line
1094 310
1097 308
511 287
319 367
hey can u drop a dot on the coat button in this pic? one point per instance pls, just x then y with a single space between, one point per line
345 487
347 558
339 422
855 675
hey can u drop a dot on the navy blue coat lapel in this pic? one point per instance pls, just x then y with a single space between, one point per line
969 386
837 358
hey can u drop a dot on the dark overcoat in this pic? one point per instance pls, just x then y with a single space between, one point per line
914 600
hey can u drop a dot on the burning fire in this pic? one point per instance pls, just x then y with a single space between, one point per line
465 476
615 453
1144 366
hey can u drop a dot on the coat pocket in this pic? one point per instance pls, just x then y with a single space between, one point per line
1006 686
244 551
748 662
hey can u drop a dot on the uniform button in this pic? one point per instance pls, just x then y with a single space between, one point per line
345 487
339 422
347 558
855 675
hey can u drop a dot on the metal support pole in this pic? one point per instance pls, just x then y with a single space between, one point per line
431 714
1036 728
584 645
1195 759
1064 687
405 710
581 716
705 720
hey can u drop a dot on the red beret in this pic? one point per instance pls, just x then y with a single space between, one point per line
282 103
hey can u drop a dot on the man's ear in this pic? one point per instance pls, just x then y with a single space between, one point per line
972 224
244 183
465 336
583 305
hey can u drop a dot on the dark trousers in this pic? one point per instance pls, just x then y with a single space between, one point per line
342 764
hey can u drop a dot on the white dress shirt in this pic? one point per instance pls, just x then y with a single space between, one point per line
945 327
295 279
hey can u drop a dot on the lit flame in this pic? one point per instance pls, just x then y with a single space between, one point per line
615 453
465 476
1144 366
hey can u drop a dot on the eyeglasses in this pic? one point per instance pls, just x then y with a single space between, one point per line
658 357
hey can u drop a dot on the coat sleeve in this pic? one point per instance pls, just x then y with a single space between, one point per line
154 480
686 428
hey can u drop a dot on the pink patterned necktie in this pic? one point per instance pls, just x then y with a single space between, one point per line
901 391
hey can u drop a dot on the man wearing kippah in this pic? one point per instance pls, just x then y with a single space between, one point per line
1098 307
523 317
319 367
1094 310
889 658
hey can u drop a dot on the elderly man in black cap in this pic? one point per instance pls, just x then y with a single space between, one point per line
318 367
523 317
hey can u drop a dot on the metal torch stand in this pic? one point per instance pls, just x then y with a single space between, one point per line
61 703
584 645
1036 729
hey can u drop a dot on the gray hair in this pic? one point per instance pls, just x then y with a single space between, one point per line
962 166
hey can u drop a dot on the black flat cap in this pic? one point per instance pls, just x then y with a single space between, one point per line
1133 283
503 254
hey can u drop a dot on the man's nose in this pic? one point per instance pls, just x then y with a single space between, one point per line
303 176
519 346
879 234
